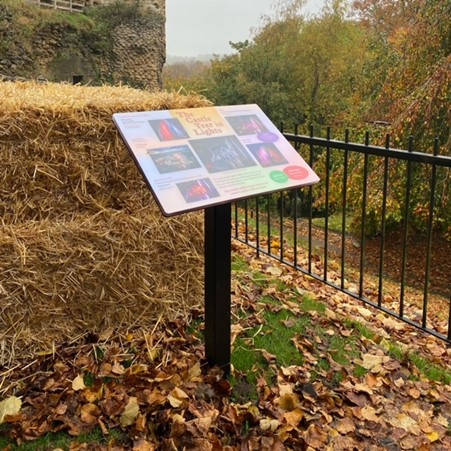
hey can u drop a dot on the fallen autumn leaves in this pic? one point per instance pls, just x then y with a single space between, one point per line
154 386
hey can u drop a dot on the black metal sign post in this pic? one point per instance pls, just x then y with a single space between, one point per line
218 269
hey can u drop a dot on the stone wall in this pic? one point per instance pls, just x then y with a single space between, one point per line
160 5
139 53
133 52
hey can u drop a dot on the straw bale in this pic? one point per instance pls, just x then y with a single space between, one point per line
43 180
61 153
83 246
46 111
60 280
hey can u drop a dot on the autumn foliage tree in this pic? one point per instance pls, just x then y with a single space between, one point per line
185 75
411 56
411 62
355 65
298 69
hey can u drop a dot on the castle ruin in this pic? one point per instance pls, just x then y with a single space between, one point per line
133 52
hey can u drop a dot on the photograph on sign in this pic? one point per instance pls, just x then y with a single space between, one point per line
195 158
222 154
173 159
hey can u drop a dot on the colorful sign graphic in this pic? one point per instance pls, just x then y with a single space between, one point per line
195 158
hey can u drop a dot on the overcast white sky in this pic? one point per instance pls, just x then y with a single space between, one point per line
199 27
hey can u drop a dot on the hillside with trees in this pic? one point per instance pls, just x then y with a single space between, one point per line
356 64
382 66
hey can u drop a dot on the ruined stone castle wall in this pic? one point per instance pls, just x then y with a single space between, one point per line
133 53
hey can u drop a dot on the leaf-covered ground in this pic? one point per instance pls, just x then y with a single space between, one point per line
312 370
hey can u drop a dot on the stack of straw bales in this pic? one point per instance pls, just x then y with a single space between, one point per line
83 246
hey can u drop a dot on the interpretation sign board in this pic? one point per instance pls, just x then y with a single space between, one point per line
200 157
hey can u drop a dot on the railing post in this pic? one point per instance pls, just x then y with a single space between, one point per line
405 230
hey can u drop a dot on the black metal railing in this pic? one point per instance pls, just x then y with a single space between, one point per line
398 267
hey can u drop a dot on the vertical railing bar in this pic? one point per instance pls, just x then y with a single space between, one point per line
326 219
295 229
268 224
257 227
236 219
363 217
406 231
343 213
281 217
383 225
294 205
296 144
449 320
310 202
429 237
246 221
281 210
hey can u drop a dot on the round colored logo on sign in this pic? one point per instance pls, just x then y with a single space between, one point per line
279 176
296 172
267 137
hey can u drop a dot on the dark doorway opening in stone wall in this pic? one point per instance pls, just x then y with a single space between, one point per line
77 79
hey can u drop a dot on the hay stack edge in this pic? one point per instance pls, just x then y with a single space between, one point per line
83 246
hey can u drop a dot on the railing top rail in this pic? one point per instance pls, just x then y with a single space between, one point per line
64 5
439 160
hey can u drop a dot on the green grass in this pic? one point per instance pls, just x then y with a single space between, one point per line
194 327
360 328
432 371
275 336
239 264
309 304
280 326
61 440
335 223
342 349
4 442
89 379
244 382
78 21
360 371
